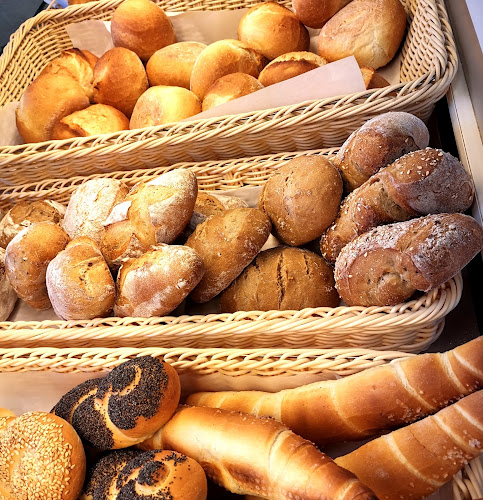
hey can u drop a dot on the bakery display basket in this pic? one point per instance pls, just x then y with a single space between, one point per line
428 64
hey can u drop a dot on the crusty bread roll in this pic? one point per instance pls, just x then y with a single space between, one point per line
273 30
172 65
41 456
315 13
96 119
23 214
227 243
386 265
379 142
8 297
230 87
48 99
27 257
373 80
370 31
90 205
119 79
125 407
158 281
282 278
222 58
162 104
302 199
289 65
79 283
141 26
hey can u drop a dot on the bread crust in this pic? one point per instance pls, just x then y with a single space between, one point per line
7 293
315 13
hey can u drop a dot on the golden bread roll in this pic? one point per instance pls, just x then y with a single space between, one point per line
8 297
96 119
370 31
27 257
119 79
162 104
373 80
230 87
273 30
172 65
222 58
141 26
125 407
158 281
227 243
24 214
315 13
48 99
79 283
289 65
41 456
282 278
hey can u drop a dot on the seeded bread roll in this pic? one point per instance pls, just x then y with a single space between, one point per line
386 265
7 293
27 257
315 13
227 243
24 214
378 143
282 278
302 198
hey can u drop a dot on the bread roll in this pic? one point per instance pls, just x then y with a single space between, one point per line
79 283
273 30
153 212
289 65
227 243
373 80
27 257
141 26
119 80
315 13
172 65
282 278
370 31
90 205
96 119
41 456
48 99
230 87
8 297
222 58
302 199
386 265
379 142
24 214
158 281
161 104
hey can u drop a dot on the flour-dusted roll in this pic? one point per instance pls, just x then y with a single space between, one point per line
8 297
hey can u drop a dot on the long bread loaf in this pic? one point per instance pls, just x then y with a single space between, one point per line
256 456
360 405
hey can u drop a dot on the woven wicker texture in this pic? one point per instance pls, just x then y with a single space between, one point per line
428 65
410 327
468 483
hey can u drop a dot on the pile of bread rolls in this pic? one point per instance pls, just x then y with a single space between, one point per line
149 79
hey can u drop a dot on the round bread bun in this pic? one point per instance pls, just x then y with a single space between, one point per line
315 13
8 297
289 65
25 213
222 58
41 456
172 65
230 87
79 283
162 104
48 99
282 278
273 30
96 119
141 26
27 257
119 79
370 31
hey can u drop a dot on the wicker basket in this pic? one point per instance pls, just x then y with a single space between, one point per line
410 327
428 65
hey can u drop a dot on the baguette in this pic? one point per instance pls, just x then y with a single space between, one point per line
362 404
415 461
255 456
